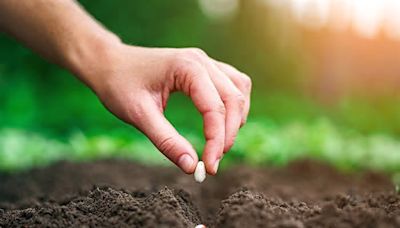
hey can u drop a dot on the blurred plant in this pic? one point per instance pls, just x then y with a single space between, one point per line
259 143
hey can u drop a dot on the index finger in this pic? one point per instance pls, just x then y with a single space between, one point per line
195 82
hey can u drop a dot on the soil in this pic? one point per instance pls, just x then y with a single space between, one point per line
115 193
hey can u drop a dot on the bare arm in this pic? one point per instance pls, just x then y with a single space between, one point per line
59 30
134 83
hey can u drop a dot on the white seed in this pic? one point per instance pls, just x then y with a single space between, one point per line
200 226
200 172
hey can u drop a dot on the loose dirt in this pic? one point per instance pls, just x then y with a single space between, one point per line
116 193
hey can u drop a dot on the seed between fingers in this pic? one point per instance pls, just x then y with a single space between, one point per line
200 172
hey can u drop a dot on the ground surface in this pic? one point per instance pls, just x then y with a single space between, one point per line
123 194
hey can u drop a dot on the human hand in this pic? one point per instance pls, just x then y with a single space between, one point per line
134 83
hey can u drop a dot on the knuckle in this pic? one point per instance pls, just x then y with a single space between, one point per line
197 51
194 53
187 66
238 98
188 73
220 108
241 99
246 80
216 109
167 144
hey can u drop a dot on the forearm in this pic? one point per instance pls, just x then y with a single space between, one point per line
59 30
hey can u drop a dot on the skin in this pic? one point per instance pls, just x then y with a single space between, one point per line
134 83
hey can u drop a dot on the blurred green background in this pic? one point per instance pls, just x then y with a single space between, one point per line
317 92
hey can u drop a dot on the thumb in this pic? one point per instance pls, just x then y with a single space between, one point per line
152 122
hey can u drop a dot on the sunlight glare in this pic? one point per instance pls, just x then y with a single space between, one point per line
366 17
313 13
341 13
392 19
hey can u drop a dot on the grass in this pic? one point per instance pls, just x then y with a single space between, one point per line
260 142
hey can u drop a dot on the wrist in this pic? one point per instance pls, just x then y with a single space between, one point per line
91 58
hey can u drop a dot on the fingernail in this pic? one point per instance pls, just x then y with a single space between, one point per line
216 165
185 162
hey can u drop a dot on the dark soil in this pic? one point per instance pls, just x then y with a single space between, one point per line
124 194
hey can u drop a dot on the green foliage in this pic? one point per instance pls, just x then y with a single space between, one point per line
20 149
259 143
267 144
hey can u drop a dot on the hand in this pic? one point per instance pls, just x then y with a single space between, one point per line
134 83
